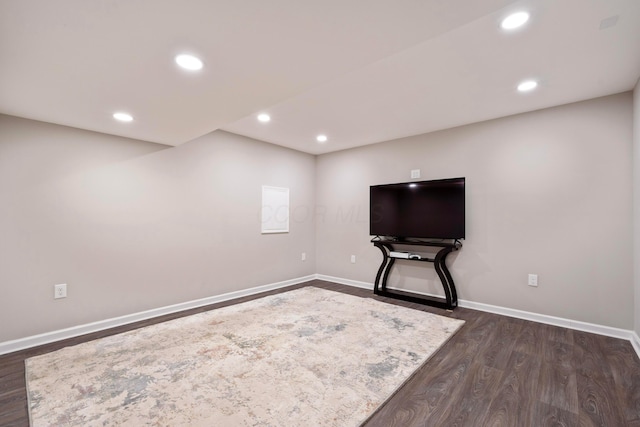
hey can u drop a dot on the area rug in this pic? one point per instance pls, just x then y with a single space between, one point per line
307 357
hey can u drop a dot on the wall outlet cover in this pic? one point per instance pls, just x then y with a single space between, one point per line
60 291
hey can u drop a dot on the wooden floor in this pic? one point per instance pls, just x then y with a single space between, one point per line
495 371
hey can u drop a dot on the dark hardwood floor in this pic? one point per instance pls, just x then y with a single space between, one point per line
495 371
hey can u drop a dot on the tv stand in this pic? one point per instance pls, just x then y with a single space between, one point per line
390 254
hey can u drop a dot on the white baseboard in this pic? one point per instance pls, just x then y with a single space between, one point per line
48 337
550 320
349 282
519 314
635 342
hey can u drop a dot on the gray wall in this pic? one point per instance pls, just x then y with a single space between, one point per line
132 226
636 202
548 192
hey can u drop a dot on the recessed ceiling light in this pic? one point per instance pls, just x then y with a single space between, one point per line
123 117
264 118
527 85
189 62
321 138
514 20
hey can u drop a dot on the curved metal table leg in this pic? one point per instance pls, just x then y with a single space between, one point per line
445 277
385 260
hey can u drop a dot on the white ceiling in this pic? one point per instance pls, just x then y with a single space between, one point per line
360 71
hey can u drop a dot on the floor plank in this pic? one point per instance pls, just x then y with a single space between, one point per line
516 401
598 393
495 371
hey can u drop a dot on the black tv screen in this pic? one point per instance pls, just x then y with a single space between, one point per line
425 209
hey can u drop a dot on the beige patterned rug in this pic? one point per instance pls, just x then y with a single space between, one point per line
308 357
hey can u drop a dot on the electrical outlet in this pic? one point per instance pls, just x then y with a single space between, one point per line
304 256
415 173
60 291
353 259
533 280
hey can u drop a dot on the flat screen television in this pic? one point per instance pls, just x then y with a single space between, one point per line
425 209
